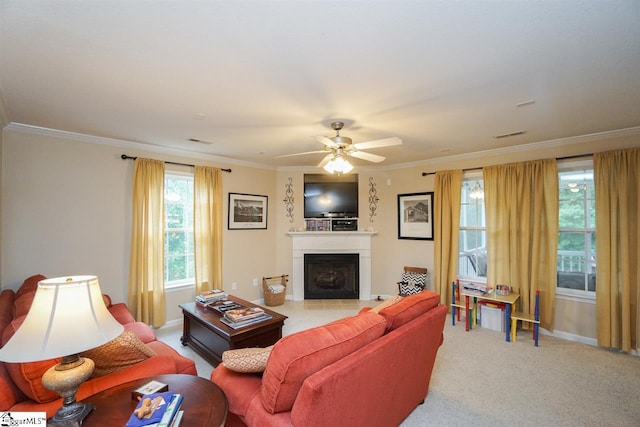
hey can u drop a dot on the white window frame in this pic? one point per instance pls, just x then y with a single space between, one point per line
471 176
575 294
183 283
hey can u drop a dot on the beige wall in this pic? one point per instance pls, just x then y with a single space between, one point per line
66 208
67 205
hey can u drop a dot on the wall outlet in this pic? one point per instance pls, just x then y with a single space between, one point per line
255 282
234 286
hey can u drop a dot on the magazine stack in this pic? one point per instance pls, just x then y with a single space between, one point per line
476 289
209 297
240 317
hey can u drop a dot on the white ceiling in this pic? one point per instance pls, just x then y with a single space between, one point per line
258 79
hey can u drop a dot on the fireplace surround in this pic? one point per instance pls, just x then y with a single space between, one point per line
331 276
337 242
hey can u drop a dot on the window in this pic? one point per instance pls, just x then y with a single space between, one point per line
577 230
472 245
179 267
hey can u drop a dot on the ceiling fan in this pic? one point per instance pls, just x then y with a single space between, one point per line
339 147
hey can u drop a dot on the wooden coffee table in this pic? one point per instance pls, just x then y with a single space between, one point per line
204 402
208 336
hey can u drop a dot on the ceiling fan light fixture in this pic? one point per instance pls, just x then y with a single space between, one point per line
338 165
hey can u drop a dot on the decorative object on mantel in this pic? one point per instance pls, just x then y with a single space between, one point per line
288 199
415 216
247 212
373 199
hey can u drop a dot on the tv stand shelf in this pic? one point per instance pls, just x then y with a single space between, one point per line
331 224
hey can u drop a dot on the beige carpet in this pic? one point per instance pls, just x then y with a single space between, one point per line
481 380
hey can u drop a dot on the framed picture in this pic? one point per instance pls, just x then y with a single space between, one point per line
415 216
247 212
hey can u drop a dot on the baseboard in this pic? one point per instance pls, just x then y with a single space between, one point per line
571 337
171 323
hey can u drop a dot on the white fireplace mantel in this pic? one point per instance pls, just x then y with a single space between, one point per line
333 242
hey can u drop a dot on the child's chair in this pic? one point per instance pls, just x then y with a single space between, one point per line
458 304
413 281
527 317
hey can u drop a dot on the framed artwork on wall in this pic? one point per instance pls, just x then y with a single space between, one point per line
247 212
415 216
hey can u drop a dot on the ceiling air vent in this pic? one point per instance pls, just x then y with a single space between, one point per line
200 141
508 135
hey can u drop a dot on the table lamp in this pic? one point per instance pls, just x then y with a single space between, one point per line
67 316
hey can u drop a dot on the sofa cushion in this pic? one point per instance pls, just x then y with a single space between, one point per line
30 284
7 299
295 357
142 331
409 308
184 365
247 360
22 304
122 352
10 394
28 376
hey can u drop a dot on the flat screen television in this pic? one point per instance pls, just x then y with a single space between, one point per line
330 199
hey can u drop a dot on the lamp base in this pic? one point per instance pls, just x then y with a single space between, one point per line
65 378
71 415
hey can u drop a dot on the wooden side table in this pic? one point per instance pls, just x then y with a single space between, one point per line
204 404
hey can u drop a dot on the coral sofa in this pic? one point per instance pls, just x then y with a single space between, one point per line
371 369
20 383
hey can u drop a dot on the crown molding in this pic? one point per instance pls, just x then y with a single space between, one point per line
80 137
553 143
193 155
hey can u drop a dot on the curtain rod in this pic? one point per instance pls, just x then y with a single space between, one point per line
557 158
125 157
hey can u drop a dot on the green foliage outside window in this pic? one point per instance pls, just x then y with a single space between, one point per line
178 236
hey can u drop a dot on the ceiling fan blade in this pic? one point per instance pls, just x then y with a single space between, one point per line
301 154
325 160
366 156
325 140
385 142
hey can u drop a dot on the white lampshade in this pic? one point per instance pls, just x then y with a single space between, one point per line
67 316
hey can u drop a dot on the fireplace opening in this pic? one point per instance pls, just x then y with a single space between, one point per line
330 276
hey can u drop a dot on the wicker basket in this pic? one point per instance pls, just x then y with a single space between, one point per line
275 289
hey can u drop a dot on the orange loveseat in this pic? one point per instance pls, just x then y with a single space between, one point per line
371 369
21 387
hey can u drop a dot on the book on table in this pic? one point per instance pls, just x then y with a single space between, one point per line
211 296
242 314
170 416
235 324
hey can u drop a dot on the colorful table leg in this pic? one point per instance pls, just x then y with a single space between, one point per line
466 310
453 301
507 324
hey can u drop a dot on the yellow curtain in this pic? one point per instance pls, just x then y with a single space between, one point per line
521 205
617 180
207 199
146 281
448 189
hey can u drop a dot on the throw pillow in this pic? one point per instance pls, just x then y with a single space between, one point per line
409 308
122 352
412 283
246 360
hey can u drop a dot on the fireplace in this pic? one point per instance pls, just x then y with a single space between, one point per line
330 276
331 242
